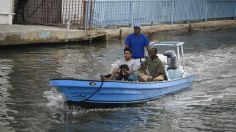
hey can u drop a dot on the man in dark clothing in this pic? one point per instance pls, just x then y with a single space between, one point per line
153 68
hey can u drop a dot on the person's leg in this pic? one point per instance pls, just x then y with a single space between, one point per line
105 77
144 78
114 74
159 78
133 77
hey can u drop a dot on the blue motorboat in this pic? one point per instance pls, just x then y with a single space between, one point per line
115 93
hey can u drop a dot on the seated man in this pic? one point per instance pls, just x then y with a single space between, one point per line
126 67
153 68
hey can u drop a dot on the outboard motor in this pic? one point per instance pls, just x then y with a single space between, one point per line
171 59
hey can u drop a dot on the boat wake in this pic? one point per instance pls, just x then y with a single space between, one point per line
56 101
211 68
212 64
215 79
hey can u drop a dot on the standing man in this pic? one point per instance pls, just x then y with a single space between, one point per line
136 42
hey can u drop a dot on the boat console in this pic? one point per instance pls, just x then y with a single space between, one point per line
174 63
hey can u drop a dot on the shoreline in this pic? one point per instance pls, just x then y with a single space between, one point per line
32 34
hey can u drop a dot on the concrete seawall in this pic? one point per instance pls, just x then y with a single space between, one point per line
29 34
123 32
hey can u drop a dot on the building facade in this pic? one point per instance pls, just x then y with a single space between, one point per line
6 11
87 14
50 12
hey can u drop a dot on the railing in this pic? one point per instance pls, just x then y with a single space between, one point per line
87 14
73 13
126 13
45 12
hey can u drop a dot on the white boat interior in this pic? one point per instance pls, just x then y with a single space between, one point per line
172 58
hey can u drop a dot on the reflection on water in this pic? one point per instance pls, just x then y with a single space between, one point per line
29 104
5 118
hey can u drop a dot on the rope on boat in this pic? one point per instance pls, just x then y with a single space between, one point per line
99 88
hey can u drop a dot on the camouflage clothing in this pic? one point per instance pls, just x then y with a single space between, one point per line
154 67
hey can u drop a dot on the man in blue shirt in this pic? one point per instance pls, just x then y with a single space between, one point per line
136 42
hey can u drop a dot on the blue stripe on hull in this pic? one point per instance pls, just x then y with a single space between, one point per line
138 98
118 92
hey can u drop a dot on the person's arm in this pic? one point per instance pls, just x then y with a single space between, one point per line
160 73
146 41
160 69
127 42
143 67
147 47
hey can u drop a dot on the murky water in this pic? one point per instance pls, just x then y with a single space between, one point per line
27 103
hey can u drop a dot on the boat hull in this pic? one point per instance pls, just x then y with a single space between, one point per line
116 92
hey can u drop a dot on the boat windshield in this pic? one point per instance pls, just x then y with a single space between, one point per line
165 46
